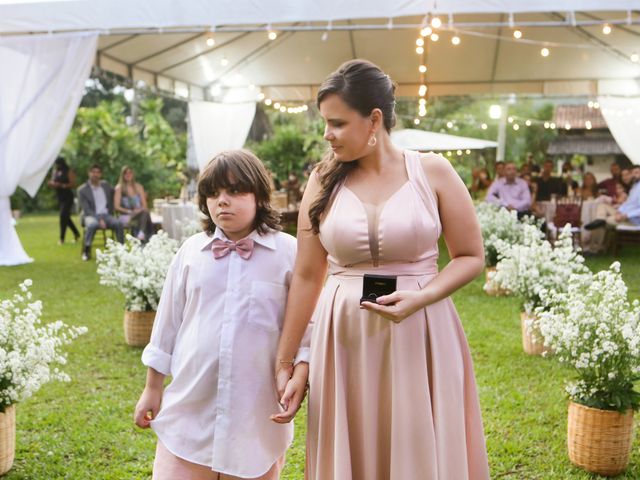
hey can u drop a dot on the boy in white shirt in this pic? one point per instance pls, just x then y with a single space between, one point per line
216 333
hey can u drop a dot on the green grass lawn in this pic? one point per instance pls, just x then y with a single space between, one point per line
83 429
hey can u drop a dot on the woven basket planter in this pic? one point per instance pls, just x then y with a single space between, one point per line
532 341
137 327
493 291
599 440
7 438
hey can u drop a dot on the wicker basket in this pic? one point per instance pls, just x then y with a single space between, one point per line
599 440
493 290
7 438
137 327
532 342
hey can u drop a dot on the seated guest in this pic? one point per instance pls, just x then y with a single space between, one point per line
589 189
131 201
635 174
567 177
499 169
96 202
510 192
549 185
532 166
621 195
608 186
480 183
628 213
626 178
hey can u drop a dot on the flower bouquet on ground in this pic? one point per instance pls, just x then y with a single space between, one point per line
498 224
138 271
594 329
533 266
30 356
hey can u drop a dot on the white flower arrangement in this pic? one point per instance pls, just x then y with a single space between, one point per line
137 270
497 223
593 328
527 268
29 350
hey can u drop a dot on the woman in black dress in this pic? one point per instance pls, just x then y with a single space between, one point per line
63 180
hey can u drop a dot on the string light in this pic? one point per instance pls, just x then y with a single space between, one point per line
517 34
484 126
606 29
422 90
422 101
210 40
635 57
510 119
224 62
458 152
434 37
267 101
467 151
455 40
516 127
419 50
420 42
416 121
544 52
590 104
596 105
587 124
422 68
552 126
276 105
426 31
546 124
261 96
272 35
567 126
436 22
283 109
528 123
449 124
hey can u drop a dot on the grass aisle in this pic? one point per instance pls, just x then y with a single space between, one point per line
83 429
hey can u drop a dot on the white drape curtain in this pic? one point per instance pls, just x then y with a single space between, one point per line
41 86
622 115
215 127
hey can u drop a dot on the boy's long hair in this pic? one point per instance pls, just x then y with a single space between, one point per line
242 170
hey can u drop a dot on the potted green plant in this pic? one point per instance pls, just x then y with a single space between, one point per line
594 329
30 356
138 271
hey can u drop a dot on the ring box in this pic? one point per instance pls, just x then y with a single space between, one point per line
374 286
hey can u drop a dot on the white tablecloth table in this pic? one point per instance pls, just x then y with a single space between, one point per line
175 215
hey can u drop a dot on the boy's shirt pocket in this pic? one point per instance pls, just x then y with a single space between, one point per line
267 304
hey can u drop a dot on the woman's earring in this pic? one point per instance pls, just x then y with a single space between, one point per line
372 141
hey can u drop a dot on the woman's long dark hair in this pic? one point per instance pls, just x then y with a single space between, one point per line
364 87
61 164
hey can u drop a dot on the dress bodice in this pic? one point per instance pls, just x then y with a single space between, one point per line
403 229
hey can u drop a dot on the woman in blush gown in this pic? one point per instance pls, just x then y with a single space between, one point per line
392 390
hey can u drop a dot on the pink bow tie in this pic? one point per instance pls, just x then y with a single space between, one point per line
243 247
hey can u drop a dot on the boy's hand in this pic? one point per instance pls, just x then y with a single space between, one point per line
294 394
147 407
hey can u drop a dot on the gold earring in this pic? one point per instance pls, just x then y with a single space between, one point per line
372 141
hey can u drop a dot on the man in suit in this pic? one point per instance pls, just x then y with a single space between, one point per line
96 202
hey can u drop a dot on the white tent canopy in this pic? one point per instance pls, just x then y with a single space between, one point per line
163 43
421 140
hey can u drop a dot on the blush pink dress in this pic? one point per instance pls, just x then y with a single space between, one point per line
389 401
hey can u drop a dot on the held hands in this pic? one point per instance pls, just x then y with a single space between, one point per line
147 407
291 391
398 305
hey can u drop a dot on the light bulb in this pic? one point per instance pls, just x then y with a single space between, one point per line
516 127
419 50
517 34
436 22
426 31
635 57
420 42
272 35
434 37
484 126
422 68
544 52
455 40
267 101
606 29
416 121
210 40
587 125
